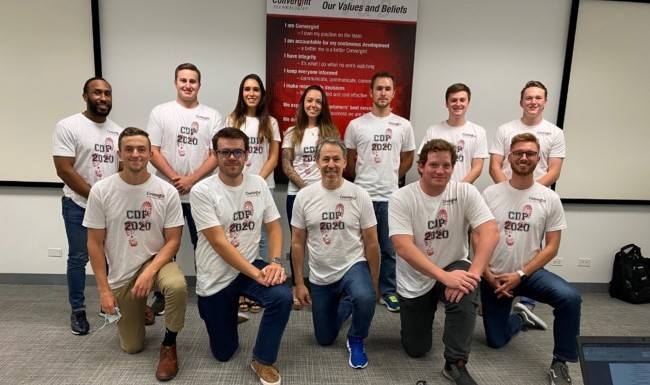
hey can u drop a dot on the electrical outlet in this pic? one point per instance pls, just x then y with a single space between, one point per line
557 262
55 252
584 262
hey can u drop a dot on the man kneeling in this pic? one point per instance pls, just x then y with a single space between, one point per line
335 219
134 222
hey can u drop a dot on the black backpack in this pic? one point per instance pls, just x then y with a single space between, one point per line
631 276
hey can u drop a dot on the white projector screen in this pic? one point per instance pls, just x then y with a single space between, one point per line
47 55
606 129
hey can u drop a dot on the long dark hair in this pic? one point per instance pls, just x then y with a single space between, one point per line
327 129
238 116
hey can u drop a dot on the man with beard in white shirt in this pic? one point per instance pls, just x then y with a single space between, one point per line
527 212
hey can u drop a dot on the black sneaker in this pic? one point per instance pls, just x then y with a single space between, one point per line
78 323
158 304
457 373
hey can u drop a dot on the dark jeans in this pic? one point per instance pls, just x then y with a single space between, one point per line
417 315
219 312
387 282
73 217
332 304
545 287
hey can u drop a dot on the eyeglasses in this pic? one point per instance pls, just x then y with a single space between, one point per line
238 153
520 154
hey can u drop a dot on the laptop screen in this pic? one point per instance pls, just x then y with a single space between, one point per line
615 360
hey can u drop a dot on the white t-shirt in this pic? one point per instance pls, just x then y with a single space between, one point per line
333 220
379 143
523 217
470 142
93 145
551 144
259 152
134 217
184 135
439 228
241 212
304 157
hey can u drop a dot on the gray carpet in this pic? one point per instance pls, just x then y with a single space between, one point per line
38 347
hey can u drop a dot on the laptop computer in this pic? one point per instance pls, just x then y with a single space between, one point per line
614 360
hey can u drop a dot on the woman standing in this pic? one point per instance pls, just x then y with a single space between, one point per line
251 115
313 122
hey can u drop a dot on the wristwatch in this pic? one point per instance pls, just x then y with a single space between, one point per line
522 275
277 260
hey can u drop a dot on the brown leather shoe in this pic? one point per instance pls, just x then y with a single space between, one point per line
149 316
168 363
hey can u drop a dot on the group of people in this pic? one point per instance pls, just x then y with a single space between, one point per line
365 241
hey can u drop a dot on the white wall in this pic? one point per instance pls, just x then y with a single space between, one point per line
494 47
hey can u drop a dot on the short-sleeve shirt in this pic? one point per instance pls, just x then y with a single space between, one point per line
333 220
551 144
523 217
241 212
470 142
304 157
184 136
94 147
379 141
134 217
439 228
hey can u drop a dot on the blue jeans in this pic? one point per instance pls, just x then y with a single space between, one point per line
290 201
191 226
545 287
219 312
387 283
264 241
332 304
73 216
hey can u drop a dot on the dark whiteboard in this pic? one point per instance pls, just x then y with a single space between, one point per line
606 124
47 55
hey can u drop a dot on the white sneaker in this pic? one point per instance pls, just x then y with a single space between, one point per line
530 319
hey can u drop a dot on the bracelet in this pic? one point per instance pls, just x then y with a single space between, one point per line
277 260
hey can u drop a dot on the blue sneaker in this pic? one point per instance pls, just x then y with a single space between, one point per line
391 302
358 357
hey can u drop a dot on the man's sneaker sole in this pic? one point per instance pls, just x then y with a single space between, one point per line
530 316
391 309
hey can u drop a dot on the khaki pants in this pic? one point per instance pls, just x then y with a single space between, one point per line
170 281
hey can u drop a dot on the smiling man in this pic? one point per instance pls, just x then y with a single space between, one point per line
551 142
380 147
527 212
428 222
134 223
469 138
230 209
335 221
181 132
84 153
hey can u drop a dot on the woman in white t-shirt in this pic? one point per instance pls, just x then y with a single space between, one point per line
251 115
313 122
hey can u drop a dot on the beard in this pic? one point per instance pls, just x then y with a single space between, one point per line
523 170
92 107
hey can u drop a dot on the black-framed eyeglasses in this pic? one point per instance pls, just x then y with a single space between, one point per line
225 153
520 154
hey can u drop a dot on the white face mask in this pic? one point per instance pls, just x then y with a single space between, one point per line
111 318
